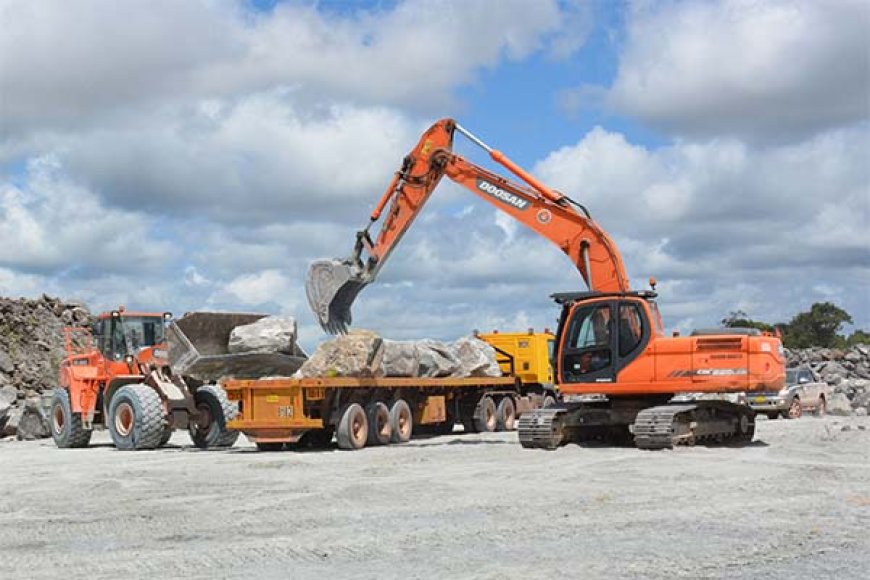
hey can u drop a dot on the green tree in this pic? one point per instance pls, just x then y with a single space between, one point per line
818 327
739 319
858 337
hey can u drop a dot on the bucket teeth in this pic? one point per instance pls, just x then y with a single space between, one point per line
332 287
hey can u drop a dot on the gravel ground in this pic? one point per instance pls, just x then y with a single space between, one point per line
795 504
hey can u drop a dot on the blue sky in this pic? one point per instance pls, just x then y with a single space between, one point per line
207 152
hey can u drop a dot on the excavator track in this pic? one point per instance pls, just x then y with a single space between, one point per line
541 428
666 426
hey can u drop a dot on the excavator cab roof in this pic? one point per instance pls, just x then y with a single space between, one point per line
566 297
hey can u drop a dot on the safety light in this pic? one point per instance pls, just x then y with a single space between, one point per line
128 359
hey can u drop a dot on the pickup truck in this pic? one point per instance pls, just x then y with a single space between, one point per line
803 392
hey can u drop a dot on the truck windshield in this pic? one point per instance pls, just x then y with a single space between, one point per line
142 331
791 377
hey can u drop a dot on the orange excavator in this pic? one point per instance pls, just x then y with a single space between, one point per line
618 372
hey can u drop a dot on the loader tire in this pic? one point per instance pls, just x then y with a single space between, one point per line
66 426
209 428
136 418
401 421
505 415
484 415
380 427
353 428
167 435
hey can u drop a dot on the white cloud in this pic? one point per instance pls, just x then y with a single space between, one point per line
761 70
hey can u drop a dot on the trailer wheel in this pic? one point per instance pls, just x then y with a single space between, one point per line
66 426
213 410
136 417
401 421
506 414
353 429
484 415
380 428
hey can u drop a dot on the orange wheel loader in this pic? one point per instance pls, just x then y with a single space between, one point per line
117 375
619 374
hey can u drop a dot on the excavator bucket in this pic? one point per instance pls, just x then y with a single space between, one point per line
332 286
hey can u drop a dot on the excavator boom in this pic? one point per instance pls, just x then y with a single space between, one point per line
333 285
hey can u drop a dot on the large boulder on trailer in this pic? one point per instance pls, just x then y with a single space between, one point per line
419 358
269 334
358 353
477 358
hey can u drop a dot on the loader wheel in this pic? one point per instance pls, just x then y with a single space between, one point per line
136 418
401 421
209 428
66 426
484 415
167 435
353 428
380 429
505 415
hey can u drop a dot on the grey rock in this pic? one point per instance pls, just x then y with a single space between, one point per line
6 364
33 423
269 334
477 358
8 396
10 425
861 412
401 359
358 353
838 404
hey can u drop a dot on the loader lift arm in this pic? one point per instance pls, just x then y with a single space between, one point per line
333 285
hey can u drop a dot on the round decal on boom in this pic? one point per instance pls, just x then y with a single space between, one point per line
544 216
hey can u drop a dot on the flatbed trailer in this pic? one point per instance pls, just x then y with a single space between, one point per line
362 412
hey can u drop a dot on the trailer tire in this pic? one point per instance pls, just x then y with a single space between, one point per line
66 427
209 428
484 415
506 414
136 418
401 422
380 426
353 428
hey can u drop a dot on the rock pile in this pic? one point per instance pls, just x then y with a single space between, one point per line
848 371
31 349
362 353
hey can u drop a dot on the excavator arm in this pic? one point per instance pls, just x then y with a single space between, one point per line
333 285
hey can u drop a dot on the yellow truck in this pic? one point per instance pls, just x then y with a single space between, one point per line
361 412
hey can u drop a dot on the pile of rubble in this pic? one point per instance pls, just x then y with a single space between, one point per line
847 371
31 349
362 353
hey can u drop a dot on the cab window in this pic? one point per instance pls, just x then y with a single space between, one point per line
588 344
630 329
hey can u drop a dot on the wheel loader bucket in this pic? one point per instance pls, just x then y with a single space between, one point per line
332 286
198 348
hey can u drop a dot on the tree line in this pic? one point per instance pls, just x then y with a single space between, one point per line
820 326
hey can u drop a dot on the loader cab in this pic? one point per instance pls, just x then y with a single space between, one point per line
119 334
600 334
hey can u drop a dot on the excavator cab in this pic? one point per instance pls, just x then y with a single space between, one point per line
601 334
